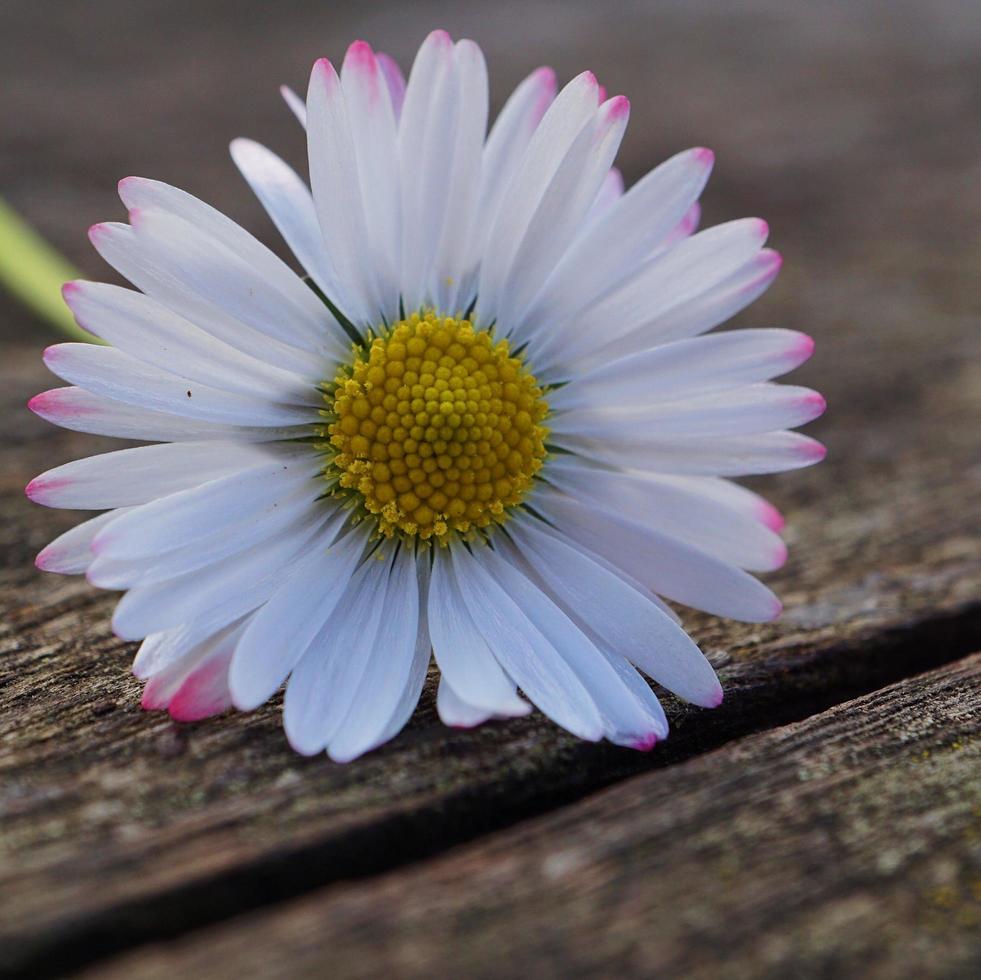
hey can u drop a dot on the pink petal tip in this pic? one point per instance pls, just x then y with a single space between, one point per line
645 744
817 404
44 559
813 451
771 517
618 107
704 156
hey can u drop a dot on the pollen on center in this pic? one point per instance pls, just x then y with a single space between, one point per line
435 428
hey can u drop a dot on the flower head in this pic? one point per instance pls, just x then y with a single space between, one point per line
485 423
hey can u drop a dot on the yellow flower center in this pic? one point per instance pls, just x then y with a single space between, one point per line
434 428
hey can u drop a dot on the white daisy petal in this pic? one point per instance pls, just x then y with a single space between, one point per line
250 284
154 274
259 525
732 496
457 713
563 205
388 669
452 277
147 330
195 685
463 655
746 410
337 193
572 111
160 650
297 106
714 306
128 477
321 688
213 597
186 516
667 282
209 227
203 693
394 79
687 367
625 619
675 507
454 711
111 373
626 720
611 190
421 656
664 563
505 148
289 203
621 238
427 138
375 139
771 452
524 652
71 553
283 630
83 411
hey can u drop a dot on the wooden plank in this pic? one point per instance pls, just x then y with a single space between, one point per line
848 845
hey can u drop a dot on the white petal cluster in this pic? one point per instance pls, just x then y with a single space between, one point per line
241 573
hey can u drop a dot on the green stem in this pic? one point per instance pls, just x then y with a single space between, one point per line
34 272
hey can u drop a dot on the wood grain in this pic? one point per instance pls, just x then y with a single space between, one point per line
848 845
118 827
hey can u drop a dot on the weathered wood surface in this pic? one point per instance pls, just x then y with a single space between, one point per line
118 827
848 844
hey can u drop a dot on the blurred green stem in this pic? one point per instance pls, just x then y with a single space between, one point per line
34 272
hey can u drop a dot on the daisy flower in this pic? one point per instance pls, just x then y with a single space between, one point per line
483 424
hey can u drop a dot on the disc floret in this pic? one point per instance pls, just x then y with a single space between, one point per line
434 428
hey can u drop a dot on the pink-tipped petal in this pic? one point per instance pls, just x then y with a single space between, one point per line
204 693
296 105
690 221
779 557
645 744
806 347
40 490
616 108
156 694
811 450
704 156
360 60
98 232
394 79
47 559
771 517
548 86
815 403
